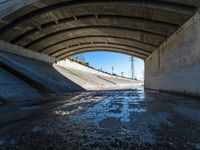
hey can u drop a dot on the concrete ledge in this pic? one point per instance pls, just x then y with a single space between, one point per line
7 47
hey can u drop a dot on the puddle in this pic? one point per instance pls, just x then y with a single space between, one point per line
110 123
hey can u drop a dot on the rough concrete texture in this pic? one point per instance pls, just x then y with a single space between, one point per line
55 78
175 65
11 88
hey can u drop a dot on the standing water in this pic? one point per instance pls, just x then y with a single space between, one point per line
121 119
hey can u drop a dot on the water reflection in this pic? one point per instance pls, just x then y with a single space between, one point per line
116 104
124 113
123 119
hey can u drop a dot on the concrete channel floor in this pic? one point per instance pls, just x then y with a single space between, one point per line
119 119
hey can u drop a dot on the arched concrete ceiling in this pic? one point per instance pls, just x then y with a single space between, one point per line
61 28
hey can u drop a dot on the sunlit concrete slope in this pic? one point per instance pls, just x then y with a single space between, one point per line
26 78
91 79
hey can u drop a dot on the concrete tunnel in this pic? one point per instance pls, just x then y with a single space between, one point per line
164 33
49 101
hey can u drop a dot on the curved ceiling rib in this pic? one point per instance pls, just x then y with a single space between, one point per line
77 29
101 44
101 49
81 45
85 49
160 5
94 36
65 27
159 26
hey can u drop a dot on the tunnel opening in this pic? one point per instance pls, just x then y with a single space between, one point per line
113 63
103 69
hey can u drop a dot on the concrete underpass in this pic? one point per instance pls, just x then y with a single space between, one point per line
48 101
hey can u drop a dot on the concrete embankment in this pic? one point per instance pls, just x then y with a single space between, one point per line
24 78
91 79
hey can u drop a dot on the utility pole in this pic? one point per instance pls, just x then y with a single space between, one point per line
80 57
112 70
132 67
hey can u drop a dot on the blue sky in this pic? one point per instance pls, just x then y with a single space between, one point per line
120 62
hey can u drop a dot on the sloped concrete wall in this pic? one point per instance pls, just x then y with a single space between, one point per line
175 65
56 79
41 72
92 81
72 64
11 88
